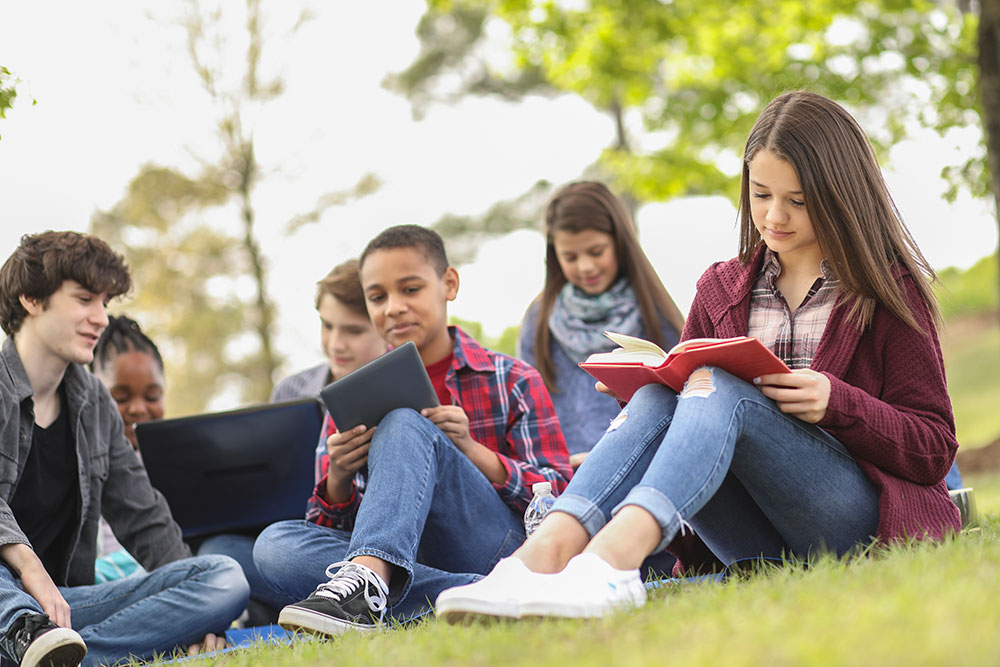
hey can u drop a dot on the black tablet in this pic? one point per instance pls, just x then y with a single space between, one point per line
397 379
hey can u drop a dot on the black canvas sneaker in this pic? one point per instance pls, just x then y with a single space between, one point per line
353 600
34 640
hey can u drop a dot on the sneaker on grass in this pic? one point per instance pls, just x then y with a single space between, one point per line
497 595
35 640
353 600
588 587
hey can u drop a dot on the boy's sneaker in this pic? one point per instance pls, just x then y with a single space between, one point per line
35 640
588 587
497 595
354 599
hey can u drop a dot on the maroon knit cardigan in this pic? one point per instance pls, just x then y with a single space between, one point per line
889 403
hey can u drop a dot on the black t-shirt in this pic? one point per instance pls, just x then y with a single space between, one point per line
45 503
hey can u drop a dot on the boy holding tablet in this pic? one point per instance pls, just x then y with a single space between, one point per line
446 487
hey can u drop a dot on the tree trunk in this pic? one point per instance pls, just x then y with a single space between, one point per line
265 310
989 85
622 144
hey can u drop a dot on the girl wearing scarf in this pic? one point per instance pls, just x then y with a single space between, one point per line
597 279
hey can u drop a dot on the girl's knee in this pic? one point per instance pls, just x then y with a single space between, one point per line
653 396
708 381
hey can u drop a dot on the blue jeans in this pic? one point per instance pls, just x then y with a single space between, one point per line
240 549
722 458
427 510
953 480
172 606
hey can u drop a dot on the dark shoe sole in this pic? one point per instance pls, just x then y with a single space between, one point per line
297 619
61 647
456 610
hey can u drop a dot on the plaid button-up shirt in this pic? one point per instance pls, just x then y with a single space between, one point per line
510 411
793 337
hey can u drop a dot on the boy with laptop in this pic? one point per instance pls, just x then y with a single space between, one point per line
446 488
65 462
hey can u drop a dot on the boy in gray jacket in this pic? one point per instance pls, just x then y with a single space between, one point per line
64 462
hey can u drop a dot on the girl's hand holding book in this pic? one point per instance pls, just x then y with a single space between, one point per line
803 393
603 388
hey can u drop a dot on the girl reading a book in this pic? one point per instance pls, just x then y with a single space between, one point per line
597 278
849 447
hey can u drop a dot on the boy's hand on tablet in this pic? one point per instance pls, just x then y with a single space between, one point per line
803 393
454 422
348 452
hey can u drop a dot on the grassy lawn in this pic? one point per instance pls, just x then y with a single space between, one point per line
971 348
923 604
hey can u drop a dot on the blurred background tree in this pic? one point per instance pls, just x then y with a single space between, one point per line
7 91
203 291
684 80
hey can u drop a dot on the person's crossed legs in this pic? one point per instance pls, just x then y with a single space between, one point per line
429 519
724 459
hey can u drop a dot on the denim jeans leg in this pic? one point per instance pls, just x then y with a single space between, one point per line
240 549
292 557
805 482
619 460
13 601
427 502
170 607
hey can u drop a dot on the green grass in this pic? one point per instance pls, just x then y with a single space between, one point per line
919 604
973 290
971 348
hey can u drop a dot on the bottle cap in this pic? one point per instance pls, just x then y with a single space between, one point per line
541 488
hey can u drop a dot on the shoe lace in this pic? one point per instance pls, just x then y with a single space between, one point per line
347 579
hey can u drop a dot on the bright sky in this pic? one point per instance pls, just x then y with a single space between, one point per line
114 90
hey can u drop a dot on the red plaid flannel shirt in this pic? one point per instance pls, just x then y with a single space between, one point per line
510 411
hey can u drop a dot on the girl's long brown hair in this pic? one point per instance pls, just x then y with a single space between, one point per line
859 229
590 205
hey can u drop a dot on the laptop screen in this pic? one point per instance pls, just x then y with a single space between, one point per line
236 470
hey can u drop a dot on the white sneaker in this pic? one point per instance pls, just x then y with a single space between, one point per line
497 595
588 587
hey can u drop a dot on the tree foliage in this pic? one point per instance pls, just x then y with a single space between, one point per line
685 79
7 91
203 291
183 268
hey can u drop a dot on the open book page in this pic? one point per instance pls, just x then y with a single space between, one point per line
630 350
693 343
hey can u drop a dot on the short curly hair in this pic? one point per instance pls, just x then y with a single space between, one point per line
425 240
42 262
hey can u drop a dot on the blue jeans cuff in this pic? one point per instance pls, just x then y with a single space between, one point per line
583 510
662 508
398 592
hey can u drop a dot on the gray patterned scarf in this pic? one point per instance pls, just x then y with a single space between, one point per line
579 320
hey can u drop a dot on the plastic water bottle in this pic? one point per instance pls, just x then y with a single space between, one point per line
539 506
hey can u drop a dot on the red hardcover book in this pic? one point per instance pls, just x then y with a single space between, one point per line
637 362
